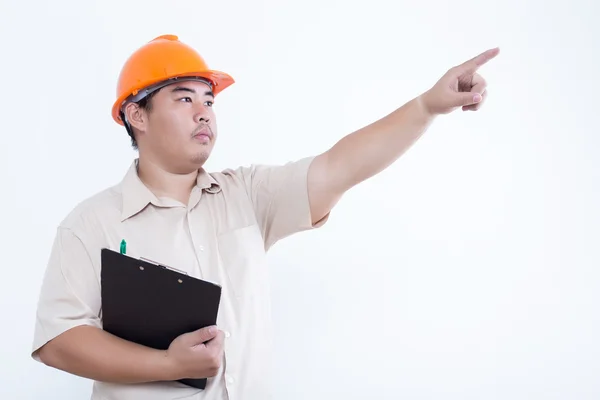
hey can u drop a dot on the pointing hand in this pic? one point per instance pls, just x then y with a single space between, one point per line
461 86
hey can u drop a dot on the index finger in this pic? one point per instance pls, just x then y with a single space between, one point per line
474 63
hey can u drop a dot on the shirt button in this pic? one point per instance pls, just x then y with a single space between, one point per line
201 248
227 334
229 379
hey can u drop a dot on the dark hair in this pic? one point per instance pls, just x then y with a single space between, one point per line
146 104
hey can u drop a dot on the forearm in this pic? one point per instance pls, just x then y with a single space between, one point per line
95 354
366 152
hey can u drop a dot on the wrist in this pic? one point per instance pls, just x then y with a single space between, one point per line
168 369
423 106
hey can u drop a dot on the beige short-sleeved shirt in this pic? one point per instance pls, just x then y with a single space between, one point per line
222 235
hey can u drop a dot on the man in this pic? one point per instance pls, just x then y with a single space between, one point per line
215 226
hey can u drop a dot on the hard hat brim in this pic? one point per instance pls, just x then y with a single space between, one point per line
219 81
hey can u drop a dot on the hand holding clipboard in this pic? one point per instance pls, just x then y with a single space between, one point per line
197 354
155 306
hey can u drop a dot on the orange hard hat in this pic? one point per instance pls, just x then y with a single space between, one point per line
158 63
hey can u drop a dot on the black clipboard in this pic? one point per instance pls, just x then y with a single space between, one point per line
151 304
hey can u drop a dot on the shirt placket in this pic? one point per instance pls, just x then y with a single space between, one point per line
201 231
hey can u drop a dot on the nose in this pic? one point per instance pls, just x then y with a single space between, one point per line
202 118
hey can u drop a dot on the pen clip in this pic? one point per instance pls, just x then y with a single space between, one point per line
162 265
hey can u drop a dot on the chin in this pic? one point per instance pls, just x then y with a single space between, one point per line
200 158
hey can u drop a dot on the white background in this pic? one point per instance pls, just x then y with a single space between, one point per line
470 269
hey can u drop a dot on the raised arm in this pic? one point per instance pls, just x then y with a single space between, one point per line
366 152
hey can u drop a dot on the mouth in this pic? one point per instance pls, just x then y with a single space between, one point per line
203 134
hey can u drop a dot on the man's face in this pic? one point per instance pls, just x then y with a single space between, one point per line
179 131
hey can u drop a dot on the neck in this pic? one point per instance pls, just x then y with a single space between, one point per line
164 183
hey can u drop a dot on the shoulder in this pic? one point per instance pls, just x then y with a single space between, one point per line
94 211
235 175
253 174
235 181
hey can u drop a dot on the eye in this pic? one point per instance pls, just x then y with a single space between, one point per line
186 99
209 103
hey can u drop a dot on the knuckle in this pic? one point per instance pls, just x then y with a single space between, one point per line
215 360
211 369
214 366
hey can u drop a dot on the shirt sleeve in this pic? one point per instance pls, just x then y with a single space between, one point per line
70 292
279 195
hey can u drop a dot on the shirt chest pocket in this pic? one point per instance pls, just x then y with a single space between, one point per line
243 258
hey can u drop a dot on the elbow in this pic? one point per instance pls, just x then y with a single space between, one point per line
48 354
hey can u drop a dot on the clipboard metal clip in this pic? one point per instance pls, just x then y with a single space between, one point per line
163 266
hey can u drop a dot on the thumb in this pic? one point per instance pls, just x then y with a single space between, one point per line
468 98
201 335
217 342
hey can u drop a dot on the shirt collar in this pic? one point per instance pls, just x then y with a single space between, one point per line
136 195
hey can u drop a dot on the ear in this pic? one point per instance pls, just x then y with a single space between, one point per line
136 116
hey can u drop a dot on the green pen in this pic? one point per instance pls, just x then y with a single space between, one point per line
123 246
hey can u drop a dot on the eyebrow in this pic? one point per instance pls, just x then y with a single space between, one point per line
190 90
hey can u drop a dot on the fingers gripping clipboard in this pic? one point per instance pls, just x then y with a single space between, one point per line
152 304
